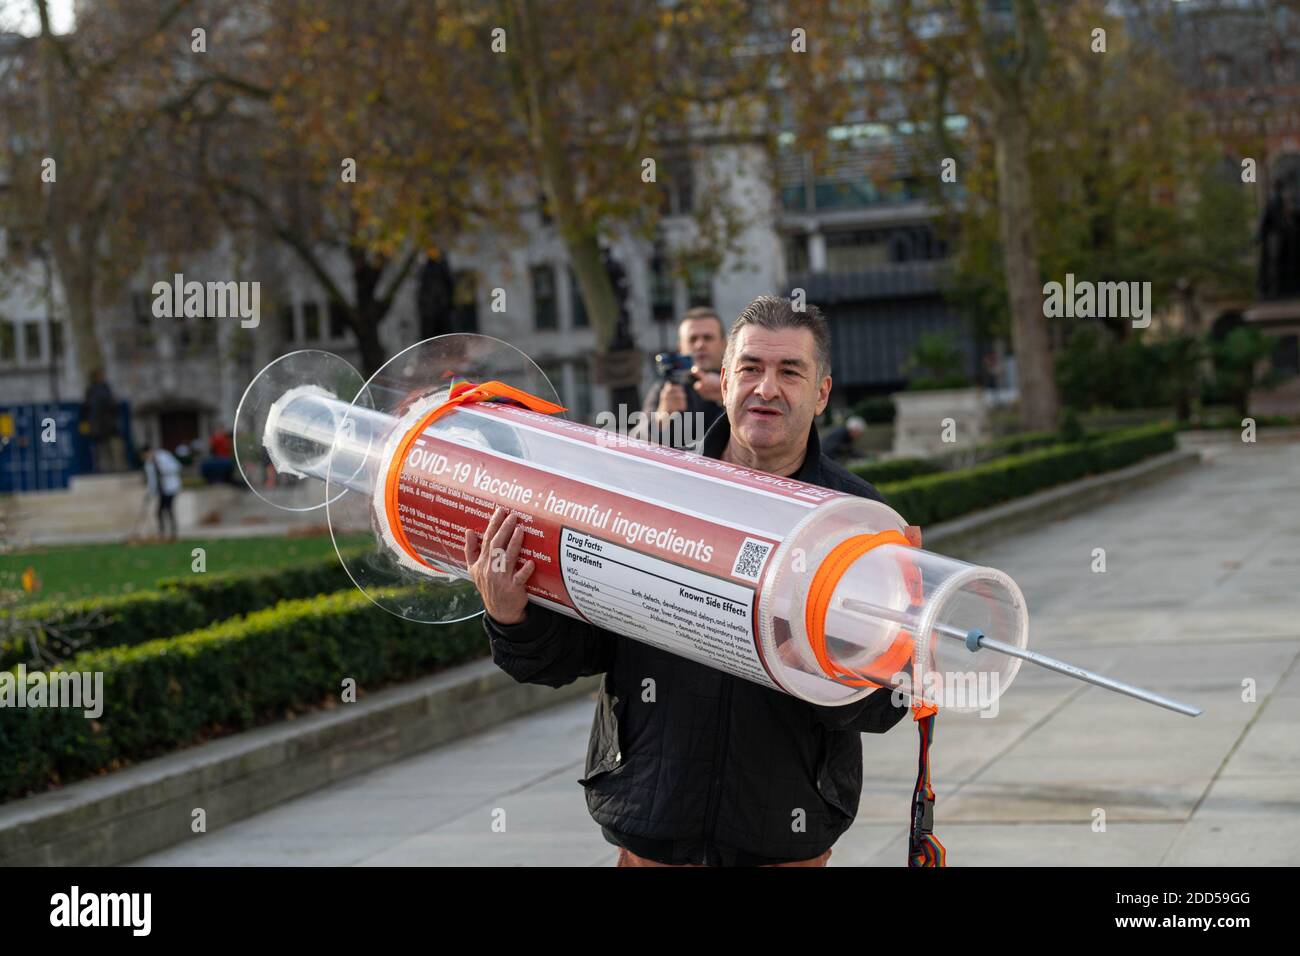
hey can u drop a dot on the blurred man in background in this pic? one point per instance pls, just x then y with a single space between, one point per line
838 445
99 423
678 413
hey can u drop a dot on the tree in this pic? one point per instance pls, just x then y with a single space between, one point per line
940 362
1134 187
603 93
355 132
86 149
986 62
1076 161
1236 360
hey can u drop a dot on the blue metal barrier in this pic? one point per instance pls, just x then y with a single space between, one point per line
28 462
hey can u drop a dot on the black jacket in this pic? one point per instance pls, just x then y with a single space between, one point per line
674 434
714 769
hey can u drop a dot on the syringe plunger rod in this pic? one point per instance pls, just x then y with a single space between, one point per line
311 433
975 640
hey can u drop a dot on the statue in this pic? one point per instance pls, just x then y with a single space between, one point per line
1279 244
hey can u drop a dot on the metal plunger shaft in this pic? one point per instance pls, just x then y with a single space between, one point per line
975 639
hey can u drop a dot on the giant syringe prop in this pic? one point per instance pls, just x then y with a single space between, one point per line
798 588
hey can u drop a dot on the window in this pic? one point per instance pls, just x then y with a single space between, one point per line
286 322
796 253
206 333
310 322
794 173
699 287
845 194
31 342
869 248
794 197
1286 355
464 301
56 340
8 346
1218 70
22 241
142 308
850 251
580 410
1279 62
544 312
580 320
338 324
662 307
677 185
554 372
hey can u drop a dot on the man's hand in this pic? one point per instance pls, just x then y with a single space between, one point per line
708 385
672 400
913 535
492 568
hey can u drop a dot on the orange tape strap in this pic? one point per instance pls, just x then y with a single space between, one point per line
824 582
462 393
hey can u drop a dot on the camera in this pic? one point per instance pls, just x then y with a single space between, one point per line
674 367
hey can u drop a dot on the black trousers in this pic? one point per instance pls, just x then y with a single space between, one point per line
165 512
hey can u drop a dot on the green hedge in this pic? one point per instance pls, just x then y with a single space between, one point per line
101 622
901 469
1232 422
895 469
242 592
170 693
939 497
178 605
1018 443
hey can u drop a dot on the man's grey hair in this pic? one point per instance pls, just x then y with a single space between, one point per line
773 312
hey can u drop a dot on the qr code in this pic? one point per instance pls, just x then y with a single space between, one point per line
749 560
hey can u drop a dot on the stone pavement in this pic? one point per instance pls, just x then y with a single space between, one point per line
1201 593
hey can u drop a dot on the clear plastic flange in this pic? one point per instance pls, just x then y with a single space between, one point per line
270 458
386 407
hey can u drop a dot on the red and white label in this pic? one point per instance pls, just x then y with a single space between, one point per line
675 580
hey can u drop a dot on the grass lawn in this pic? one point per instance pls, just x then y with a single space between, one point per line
82 570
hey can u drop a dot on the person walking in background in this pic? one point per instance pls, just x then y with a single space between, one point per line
163 473
838 443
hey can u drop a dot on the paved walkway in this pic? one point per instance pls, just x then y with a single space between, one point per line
1201 593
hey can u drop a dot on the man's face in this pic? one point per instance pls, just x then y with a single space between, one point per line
701 339
771 391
